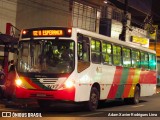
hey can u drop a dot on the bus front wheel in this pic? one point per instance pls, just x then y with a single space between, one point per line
92 104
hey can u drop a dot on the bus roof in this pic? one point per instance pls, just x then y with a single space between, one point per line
113 40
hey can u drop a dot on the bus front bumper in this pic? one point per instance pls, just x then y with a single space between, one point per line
65 94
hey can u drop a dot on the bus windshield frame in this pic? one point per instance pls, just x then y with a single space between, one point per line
46 56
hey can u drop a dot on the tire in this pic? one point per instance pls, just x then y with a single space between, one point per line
135 99
92 104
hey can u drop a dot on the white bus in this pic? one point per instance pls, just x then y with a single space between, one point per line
71 64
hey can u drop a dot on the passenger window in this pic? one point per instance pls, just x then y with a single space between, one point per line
144 60
117 55
96 51
152 61
136 59
126 57
106 53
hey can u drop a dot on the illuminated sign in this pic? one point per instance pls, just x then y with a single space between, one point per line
48 33
140 40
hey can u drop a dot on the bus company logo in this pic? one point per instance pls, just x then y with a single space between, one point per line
6 114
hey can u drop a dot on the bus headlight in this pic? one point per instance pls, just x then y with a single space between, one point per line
69 84
18 82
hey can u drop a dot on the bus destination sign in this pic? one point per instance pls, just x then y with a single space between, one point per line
47 32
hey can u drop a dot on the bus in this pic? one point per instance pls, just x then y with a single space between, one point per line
79 66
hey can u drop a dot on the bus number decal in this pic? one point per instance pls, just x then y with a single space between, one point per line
50 86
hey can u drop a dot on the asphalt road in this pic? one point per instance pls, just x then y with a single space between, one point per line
148 108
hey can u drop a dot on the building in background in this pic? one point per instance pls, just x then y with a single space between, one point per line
8 11
39 13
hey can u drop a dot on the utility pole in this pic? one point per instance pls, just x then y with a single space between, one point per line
122 36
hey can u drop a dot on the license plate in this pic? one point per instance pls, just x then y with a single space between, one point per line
41 95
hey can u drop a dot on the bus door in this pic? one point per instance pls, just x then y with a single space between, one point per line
83 53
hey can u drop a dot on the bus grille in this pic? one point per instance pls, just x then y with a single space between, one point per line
45 80
45 83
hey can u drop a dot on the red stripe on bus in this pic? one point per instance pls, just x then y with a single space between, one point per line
129 82
116 82
148 77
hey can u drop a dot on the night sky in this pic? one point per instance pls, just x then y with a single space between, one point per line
144 7
156 11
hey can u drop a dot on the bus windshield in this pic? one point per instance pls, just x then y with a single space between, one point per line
46 56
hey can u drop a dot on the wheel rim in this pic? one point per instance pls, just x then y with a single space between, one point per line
136 97
94 100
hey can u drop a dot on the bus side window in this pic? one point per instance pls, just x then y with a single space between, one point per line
106 53
144 60
126 57
79 51
152 61
117 55
135 59
96 51
83 56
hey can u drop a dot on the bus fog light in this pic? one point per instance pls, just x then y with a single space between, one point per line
18 82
